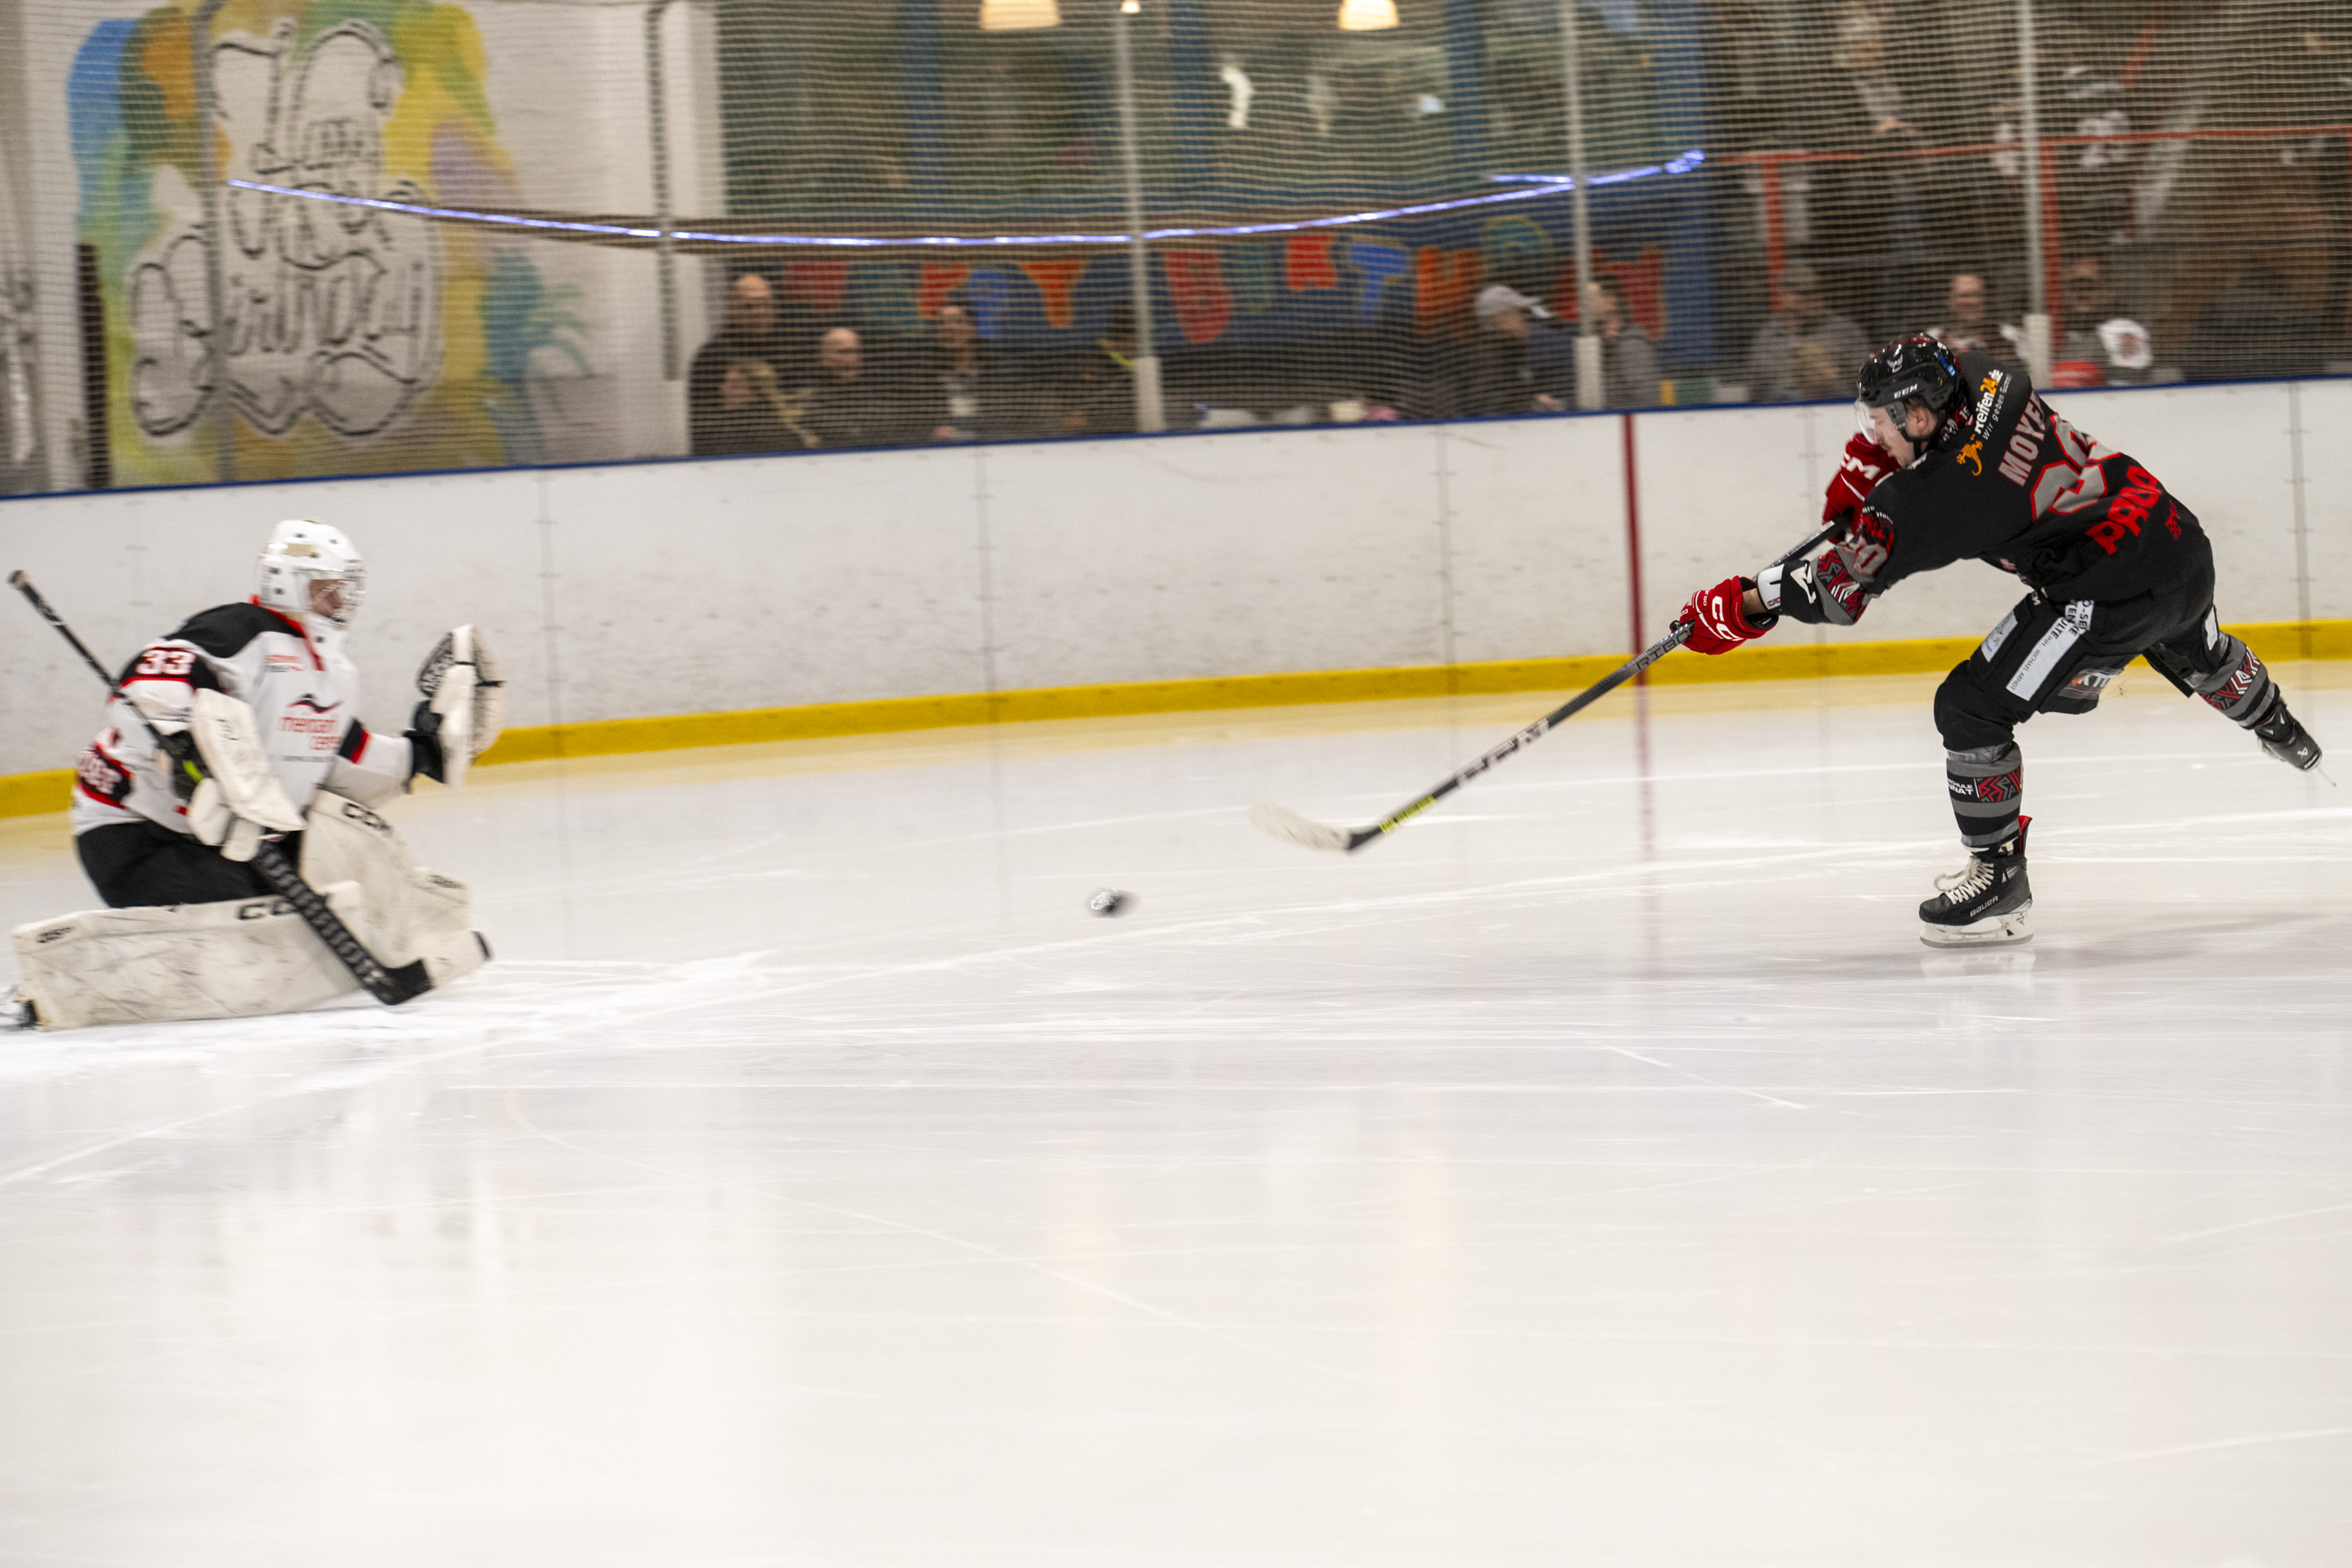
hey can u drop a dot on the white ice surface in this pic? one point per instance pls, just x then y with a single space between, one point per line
1598 1171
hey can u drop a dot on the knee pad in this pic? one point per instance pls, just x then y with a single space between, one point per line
160 963
1969 714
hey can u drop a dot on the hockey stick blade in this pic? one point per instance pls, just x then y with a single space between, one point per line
1283 823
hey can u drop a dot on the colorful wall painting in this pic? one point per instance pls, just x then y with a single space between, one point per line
356 341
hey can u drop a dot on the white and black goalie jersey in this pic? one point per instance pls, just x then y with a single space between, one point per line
303 692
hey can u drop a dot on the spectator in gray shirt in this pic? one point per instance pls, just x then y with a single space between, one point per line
1806 353
1628 360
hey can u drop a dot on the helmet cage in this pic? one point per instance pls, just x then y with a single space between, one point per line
301 553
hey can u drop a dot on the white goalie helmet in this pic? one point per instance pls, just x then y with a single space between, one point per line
302 551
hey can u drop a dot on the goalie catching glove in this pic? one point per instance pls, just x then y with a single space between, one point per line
464 708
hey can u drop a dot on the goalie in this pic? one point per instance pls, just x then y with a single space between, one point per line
238 726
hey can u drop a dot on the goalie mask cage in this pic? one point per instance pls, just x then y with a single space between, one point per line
267 238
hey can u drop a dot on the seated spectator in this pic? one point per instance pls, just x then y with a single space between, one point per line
1095 390
843 407
2102 347
1805 352
1529 363
1628 360
734 389
1969 328
2255 327
972 396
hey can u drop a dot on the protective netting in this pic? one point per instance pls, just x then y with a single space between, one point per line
522 231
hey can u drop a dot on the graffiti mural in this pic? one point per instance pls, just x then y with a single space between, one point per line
349 339
326 313
20 429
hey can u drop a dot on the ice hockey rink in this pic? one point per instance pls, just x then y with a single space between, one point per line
1597 1172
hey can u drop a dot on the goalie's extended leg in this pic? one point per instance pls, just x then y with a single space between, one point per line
159 964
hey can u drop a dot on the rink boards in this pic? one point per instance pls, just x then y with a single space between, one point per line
639 606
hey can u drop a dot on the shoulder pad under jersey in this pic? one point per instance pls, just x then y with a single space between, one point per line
223 630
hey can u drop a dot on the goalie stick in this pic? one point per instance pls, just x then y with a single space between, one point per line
389 986
1284 823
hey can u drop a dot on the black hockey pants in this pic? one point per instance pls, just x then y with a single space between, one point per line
2056 656
133 864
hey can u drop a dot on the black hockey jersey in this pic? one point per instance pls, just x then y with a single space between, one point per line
2022 489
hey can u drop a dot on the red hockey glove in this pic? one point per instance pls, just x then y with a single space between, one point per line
1718 621
1864 464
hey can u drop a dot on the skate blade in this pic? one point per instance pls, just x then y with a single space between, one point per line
1996 930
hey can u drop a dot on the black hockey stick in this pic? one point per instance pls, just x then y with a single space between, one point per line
1284 823
389 986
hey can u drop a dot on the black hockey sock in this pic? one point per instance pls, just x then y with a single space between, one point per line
1987 786
2240 689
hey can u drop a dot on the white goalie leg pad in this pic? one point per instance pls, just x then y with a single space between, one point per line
411 913
462 682
162 963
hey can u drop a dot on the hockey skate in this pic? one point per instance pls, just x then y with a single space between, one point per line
1986 902
16 1009
2284 737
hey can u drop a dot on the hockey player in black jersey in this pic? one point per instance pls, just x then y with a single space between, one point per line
1969 461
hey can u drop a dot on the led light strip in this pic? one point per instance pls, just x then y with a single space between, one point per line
1536 185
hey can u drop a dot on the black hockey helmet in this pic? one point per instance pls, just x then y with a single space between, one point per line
1917 369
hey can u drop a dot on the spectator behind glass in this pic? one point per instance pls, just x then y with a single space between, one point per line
1969 328
1528 363
735 397
1628 360
1094 389
1865 212
964 380
2102 347
2257 326
1805 352
843 405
